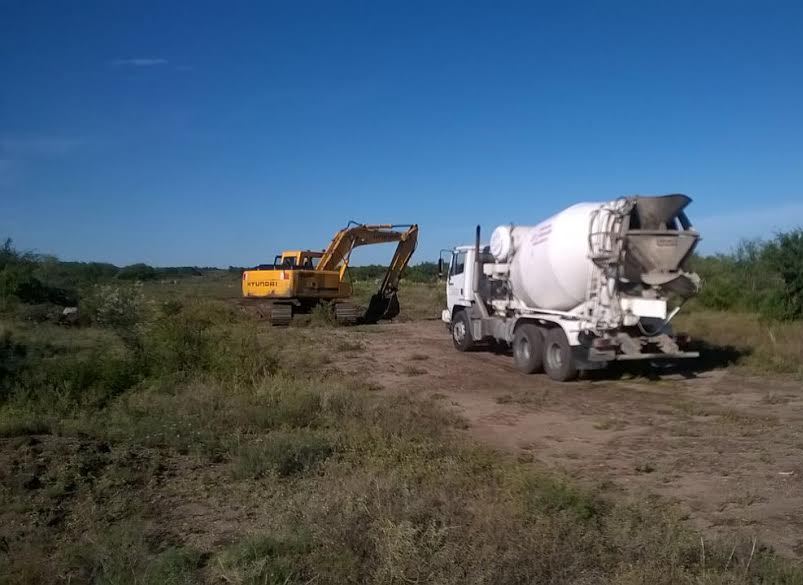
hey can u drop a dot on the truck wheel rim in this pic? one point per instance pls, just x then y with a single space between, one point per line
459 332
554 356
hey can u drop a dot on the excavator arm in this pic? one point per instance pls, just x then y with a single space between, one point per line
354 235
384 304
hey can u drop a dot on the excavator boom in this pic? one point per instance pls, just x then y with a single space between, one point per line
354 235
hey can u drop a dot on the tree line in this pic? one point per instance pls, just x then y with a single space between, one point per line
759 276
764 277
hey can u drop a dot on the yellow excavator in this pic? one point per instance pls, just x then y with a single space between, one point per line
298 280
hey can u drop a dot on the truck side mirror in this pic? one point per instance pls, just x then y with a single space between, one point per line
440 267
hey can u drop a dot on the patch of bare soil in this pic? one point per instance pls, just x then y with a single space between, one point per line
728 447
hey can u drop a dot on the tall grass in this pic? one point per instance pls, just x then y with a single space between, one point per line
748 340
200 446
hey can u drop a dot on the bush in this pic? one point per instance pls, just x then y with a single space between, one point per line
762 277
284 453
19 284
61 383
137 272
116 307
12 359
264 559
784 255
187 340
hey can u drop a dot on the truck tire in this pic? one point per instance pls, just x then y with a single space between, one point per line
558 360
528 348
461 331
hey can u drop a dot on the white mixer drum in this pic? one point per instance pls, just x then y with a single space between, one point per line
549 264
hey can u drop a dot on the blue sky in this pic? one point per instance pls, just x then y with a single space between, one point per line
218 133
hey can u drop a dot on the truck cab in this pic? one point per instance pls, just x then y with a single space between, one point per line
459 280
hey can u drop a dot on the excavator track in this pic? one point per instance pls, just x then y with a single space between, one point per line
346 313
281 314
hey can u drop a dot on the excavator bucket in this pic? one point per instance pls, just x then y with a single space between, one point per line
381 307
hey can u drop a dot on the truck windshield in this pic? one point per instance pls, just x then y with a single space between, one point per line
458 263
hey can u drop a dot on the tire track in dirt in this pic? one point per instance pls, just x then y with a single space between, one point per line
728 447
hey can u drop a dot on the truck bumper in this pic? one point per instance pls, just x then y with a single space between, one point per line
446 316
659 356
596 355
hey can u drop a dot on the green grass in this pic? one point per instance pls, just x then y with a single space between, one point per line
201 446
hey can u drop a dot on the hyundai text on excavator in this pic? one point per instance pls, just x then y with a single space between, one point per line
298 280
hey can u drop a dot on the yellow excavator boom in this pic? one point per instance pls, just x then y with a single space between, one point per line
354 235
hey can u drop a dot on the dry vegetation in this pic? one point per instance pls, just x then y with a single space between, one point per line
746 340
194 444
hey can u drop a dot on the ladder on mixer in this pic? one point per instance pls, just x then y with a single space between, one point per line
604 249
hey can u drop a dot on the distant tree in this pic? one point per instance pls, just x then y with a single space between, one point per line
784 255
137 271
17 280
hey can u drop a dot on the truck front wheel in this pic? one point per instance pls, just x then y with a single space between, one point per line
558 360
528 348
461 331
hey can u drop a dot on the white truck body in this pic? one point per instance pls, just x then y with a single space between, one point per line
587 286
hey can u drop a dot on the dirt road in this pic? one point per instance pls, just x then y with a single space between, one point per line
726 446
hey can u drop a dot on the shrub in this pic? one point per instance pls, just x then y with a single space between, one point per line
264 559
322 315
284 453
68 381
785 256
19 284
195 340
179 344
116 307
12 358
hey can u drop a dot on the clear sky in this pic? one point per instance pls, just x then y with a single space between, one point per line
219 133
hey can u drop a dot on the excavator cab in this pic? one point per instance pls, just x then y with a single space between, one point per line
298 259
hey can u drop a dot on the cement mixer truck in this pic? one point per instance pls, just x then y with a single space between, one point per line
593 284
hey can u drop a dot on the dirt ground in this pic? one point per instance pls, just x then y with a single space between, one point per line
726 446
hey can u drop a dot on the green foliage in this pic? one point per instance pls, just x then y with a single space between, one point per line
784 255
760 277
19 283
137 272
323 315
263 560
194 426
122 557
65 382
283 453
423 272
116 307
12 358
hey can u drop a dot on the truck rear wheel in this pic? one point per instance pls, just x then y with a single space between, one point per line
461 331
528 348
558 360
